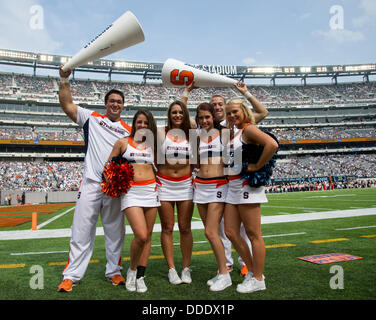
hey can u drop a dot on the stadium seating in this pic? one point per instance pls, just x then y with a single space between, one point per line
29 110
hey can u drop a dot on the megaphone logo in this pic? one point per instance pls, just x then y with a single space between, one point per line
181 78
176 74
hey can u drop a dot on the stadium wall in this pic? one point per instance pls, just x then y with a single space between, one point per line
39 197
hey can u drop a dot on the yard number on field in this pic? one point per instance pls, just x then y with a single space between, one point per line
336 281
37 280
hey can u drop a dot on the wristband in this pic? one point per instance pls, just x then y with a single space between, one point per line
248 95
185 94
64 80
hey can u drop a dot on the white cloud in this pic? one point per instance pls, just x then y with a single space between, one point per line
17 33
340 35
369 14
249 61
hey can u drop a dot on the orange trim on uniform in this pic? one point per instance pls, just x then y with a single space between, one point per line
240 131
126 126
234 177
130 142
245 182
143 182
97 114
218 182
212 138
66 266
175 179
171 138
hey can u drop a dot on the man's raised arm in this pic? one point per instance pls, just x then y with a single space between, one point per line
65 97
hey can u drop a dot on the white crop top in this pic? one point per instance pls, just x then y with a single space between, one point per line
135 154
235 149
174 149
211 148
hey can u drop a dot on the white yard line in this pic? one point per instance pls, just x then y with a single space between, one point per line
62 233
292 207
354 228
284 234
154 245
32 253
54 218
334 196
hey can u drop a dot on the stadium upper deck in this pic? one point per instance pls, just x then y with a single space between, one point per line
324 129
23 87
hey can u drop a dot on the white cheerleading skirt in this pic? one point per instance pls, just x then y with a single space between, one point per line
210 190
174 189
141 194
239 192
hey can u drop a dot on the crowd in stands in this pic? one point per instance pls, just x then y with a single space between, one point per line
358 165
35 85
40 176
41 133
66 176
29 86
325 133
76 134
320 186
20 133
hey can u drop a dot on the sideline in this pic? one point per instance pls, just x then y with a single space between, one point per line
63 233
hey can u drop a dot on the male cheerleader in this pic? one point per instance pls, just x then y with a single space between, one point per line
100 133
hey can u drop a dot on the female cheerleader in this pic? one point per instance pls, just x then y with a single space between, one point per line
211 188
243 201
175 189
140 203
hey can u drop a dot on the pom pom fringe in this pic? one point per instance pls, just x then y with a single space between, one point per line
117 177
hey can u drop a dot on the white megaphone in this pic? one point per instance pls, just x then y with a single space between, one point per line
177 74
126 31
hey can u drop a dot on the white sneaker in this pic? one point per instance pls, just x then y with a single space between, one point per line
130 283
212 280
140 285
186 275
251 284
173 276
223 281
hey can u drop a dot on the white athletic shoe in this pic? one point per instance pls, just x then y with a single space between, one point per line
212 280
140 285
223 281
173 276
130 283
186 275
251 284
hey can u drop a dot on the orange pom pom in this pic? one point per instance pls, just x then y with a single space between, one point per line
117 178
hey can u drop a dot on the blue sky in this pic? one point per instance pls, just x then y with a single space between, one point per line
239 32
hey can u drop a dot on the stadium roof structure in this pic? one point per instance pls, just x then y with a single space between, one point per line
152 70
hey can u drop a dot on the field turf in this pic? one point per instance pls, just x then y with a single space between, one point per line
287 278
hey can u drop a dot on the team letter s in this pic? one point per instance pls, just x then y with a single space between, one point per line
182 77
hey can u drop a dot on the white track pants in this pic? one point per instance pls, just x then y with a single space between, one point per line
228 245
92 202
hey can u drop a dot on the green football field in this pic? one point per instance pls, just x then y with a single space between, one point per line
294 225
